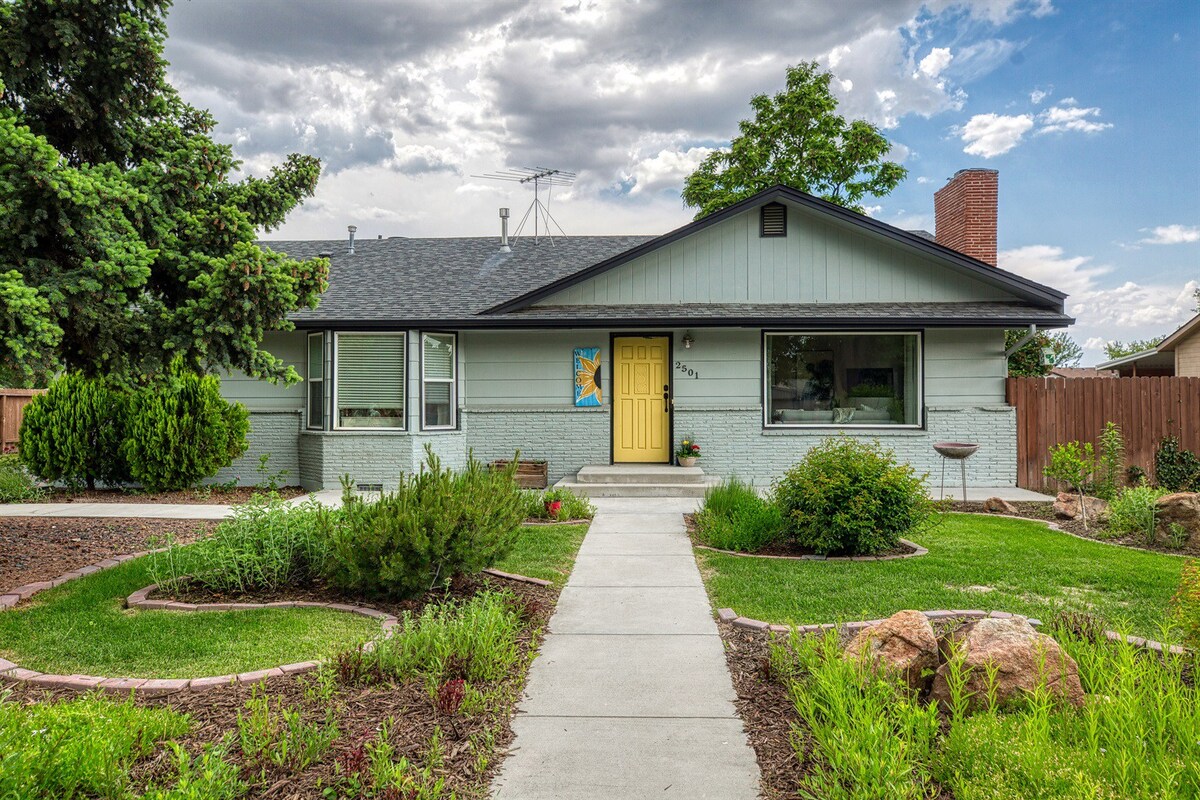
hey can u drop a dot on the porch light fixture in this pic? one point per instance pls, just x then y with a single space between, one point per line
688 341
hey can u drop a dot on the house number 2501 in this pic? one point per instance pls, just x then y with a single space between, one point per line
686 370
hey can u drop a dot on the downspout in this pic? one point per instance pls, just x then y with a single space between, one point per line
1024 340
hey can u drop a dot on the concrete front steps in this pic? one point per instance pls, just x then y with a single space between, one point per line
639 480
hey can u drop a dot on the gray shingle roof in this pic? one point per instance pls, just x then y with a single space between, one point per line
449 279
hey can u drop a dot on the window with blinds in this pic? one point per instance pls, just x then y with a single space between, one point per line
316 381
370 380
439 389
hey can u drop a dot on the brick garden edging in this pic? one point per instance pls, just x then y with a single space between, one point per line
162 686
917 551
730 617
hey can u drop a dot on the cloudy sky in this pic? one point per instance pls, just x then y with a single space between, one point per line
1089 109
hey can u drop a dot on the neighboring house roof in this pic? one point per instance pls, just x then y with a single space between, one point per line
1145 359
1185 331
468 282
1082 372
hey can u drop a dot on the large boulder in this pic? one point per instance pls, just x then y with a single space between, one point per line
903 643
998 505
1182 508
1023 659
1067 506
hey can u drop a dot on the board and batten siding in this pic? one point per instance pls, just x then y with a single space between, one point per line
819 261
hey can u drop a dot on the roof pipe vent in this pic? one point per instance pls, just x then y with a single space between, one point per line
504 248
353 229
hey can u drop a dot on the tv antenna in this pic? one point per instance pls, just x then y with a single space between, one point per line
539 177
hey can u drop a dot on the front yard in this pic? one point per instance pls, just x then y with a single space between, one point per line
974 562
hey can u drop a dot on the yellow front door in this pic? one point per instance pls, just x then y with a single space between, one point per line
641 400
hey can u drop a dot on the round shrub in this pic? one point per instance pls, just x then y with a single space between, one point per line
73 432
182 431
849 497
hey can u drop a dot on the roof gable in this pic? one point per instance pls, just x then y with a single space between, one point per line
831 254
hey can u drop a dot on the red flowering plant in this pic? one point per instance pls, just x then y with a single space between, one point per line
688 448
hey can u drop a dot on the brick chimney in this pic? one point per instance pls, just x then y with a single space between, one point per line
964 212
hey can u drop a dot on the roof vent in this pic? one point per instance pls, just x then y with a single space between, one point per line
352 229
772 220
504 248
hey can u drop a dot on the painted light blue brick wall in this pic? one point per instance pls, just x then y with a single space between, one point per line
819 261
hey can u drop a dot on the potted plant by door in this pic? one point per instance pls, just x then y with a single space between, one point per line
688 453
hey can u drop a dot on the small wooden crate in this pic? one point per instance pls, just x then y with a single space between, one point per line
529 474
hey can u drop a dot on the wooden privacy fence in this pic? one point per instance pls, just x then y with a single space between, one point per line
12 411
1051 411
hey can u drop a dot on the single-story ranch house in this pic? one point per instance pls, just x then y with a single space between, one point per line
757 331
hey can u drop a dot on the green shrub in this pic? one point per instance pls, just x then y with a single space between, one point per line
78 748
1176 469
735 517
16 484
852 497
1133 511
182 431
573 505
73 433
1110 465
437 524
265 546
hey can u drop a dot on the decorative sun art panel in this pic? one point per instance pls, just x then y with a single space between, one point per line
587 376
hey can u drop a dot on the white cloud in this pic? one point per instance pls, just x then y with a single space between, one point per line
1038 95
1172 234
991 135
665 169
1103 313
938 59
1059 119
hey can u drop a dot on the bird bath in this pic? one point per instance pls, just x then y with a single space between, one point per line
955 451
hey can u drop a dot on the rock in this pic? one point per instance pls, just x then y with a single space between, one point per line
1182 508
998 505
1066 506
904 643
1021 656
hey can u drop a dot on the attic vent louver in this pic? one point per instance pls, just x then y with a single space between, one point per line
773 220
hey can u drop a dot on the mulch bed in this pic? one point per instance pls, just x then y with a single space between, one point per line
213 495
359 712
42 548
1096 530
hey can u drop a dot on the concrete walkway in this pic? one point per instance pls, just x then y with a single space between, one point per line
630 696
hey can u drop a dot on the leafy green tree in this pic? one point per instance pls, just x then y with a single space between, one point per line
127 241
1028 362
1117 348
797 138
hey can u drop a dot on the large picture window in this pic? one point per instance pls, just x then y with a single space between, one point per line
316 381
369 390
439 389
842 379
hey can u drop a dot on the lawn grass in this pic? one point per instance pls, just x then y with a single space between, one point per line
545 551
1030 569
82 627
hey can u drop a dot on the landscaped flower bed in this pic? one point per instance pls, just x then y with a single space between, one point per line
828 724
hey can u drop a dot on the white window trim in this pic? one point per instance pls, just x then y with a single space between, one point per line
452 381
309 380
766 387
363 429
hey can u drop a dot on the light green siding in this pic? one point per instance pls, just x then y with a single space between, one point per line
819 261
964 367
526 368
259 395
